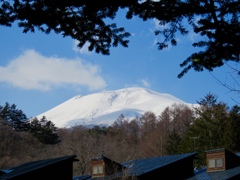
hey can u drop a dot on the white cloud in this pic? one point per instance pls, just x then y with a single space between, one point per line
83 50
32 70
145 83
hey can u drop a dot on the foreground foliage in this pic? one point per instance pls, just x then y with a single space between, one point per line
216 22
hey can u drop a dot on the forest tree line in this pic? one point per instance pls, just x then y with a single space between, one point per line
178 129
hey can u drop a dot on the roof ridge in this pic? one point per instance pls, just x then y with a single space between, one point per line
134 160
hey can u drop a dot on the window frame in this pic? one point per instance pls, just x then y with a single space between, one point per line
215 163
97 169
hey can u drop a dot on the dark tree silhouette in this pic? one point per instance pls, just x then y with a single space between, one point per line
217 22
10 115
44 130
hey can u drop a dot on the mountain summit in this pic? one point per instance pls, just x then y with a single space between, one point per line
105 107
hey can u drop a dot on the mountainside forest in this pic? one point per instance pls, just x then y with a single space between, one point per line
178 129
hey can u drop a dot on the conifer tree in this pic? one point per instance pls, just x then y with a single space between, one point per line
232 130
14 117
207 131
173 143
44 130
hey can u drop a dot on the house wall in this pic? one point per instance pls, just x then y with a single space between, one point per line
230 159
98 162
213 156
109 167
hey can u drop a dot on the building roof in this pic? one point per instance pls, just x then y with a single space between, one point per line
202 173
218 175
31 166
142 166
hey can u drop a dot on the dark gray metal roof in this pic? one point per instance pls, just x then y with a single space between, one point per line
218 175
202 173
31 166
141 166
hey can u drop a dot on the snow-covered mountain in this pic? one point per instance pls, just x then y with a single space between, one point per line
105 107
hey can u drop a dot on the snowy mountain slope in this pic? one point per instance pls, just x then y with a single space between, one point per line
105 107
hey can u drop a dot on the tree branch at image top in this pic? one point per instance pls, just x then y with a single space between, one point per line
216 22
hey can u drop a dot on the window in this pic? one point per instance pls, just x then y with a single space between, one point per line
219 162
98 169
213 163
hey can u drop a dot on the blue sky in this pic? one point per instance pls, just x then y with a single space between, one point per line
38 71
